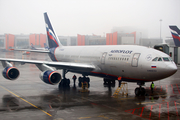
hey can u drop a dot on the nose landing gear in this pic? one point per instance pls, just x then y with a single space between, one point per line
140 90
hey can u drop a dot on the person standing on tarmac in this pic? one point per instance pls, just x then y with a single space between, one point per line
74 78
152 87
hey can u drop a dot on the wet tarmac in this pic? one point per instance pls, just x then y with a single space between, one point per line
30 98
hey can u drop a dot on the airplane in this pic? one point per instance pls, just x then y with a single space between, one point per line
34 48
131 63
175 34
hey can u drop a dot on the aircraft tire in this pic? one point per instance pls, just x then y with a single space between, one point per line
137 91
61 84
113 81
143 92
64 83
87 79
80 79
67 82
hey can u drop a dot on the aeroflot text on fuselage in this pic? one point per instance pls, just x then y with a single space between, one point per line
122 51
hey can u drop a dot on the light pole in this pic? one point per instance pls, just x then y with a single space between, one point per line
160 27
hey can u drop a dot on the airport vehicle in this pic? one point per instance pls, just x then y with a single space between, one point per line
130 63
176 35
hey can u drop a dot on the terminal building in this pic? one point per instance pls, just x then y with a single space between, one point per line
120 38
9 41
68 40
90 40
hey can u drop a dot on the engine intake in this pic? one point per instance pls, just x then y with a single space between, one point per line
50 77
10 73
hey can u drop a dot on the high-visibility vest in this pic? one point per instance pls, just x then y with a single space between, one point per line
152 85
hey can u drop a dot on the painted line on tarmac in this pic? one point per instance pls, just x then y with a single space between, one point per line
84 118
126 98
100 116
26 101
145 103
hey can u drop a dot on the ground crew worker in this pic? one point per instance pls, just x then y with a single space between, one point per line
152 87
74 78
119 80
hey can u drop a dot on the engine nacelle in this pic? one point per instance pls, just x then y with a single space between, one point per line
10 73
50 77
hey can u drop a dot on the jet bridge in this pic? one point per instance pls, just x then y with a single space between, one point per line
163 47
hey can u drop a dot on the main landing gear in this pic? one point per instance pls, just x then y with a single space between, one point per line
109 82
140 90
64 82
83 79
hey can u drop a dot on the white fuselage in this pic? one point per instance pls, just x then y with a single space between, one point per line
131 62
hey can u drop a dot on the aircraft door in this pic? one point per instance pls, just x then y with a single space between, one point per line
135 60
103 58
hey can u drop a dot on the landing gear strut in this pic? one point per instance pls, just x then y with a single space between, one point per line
64 82
140 90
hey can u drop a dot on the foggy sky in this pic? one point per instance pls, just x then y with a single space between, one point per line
87 17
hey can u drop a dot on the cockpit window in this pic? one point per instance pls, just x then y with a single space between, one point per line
155 59
165 58
159 59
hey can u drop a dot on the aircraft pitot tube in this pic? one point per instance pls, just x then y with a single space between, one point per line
9 72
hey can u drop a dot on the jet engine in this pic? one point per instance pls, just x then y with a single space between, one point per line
10 73
50 77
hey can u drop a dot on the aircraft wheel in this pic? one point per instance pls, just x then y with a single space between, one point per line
105 82
87 79
64 83
143 91
67 82
113 81
61 83
137 91
80 80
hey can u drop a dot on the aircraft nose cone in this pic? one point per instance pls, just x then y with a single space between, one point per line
172 69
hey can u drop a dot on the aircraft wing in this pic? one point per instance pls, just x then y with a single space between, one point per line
59 65
39 51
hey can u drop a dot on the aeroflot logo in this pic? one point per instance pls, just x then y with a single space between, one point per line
122 51
51 34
